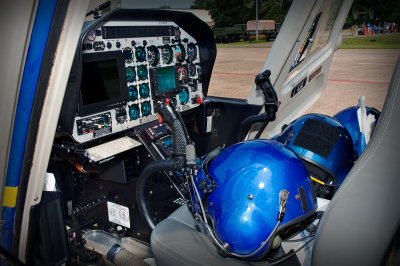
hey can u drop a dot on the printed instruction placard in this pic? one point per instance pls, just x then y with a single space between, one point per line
118 214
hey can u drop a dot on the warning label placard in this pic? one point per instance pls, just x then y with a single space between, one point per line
118 214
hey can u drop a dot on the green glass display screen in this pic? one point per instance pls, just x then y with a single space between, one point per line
166 79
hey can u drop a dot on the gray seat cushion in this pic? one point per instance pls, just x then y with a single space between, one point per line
180 240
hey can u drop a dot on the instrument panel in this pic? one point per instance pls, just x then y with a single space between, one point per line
128 69
127 62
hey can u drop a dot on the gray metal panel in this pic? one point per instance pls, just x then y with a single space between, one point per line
364 214
16 20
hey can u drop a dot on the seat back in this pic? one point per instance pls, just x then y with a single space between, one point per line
364 215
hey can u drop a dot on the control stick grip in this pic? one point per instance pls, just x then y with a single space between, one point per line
180 138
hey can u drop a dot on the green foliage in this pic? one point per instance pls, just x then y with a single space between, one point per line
377 11
228 12
383 41
388 11
274 9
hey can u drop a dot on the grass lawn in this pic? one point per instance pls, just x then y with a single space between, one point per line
382 41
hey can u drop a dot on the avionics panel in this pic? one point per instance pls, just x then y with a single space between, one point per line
168 81
128 68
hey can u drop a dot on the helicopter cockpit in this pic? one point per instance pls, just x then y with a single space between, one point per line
146 168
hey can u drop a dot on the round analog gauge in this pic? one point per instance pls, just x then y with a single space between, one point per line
180 52
132 93
134 111
191 51
146 108
128 55
166 54
184 96
153 55
182 75
144 90
192 70
194 85
140 53
142 72
130 74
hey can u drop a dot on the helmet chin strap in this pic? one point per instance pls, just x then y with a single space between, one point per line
224 247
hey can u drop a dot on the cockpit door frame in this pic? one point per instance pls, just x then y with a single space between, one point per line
301 57
58 78
48 62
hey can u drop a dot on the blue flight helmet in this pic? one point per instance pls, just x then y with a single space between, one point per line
325 147
250 193
349 119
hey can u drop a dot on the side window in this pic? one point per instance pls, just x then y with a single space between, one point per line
327 23
318 33
307 43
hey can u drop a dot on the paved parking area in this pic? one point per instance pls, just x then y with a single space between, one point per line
354 72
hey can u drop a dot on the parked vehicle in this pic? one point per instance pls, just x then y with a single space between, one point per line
234 33
266 28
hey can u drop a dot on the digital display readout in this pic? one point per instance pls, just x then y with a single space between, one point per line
166 79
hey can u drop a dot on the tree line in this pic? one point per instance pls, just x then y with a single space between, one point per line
228 12
374 12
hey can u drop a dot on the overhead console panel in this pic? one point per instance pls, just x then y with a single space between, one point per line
130 61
